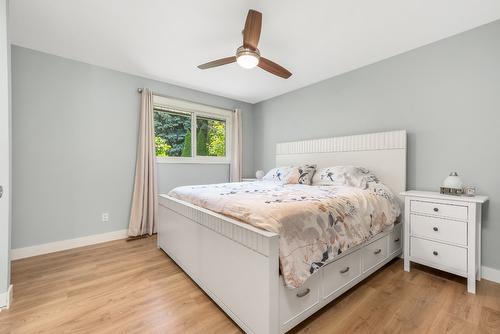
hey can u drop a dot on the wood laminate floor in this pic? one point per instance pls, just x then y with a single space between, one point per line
132 287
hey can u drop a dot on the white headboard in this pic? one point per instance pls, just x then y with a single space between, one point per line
383 153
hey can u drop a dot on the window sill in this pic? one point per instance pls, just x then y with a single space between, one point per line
198 160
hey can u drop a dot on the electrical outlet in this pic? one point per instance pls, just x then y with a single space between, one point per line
105 217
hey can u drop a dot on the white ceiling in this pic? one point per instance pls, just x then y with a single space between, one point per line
166 39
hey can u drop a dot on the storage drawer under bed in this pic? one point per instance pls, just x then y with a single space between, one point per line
294 302
333 277
374 253
341 272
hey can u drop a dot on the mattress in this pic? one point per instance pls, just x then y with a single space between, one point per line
315 223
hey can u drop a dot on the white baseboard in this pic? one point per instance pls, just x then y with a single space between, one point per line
6 298
21 253
491 274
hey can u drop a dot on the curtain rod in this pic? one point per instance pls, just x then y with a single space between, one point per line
140 90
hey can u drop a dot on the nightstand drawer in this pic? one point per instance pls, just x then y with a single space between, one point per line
438 228
447 257
437 209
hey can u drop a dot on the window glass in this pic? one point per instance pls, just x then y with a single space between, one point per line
210 137
172 134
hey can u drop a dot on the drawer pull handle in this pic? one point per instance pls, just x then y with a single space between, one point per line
377 251
436 209
435 228
396 240
303 293
435 253
343 271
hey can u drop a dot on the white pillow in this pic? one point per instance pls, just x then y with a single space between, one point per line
292 175
344 176
278 174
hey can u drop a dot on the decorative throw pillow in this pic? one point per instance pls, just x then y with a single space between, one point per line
344 176
301 175
278 174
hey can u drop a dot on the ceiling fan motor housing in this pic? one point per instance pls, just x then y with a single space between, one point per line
246 57
247 51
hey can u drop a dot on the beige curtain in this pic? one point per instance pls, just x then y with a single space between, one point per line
144 211
236 164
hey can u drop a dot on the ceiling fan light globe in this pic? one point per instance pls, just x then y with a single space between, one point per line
247 61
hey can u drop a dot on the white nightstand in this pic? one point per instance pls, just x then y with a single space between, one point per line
444 232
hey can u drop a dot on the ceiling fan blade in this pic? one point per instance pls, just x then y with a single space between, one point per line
218 62
251 32
274 68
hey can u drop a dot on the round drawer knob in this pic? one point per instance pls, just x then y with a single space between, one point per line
435 253
436 209
435 228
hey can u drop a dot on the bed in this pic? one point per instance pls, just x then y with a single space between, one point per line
238 264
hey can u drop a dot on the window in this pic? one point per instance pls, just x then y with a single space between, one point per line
172 134
191 133
210 137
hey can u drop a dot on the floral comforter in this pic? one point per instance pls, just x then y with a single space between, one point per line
315 223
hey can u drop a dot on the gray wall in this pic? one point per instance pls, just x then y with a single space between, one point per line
447 95
74 146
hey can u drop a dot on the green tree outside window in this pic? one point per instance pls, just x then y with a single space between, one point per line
173 135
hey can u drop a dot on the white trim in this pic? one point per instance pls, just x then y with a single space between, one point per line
51 247
194 160
6 299
490 274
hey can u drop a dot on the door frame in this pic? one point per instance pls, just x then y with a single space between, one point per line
5 158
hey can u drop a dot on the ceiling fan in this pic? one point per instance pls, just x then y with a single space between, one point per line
247 55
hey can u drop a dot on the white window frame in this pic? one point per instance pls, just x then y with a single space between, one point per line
195 110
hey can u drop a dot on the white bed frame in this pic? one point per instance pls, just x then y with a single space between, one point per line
237 265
